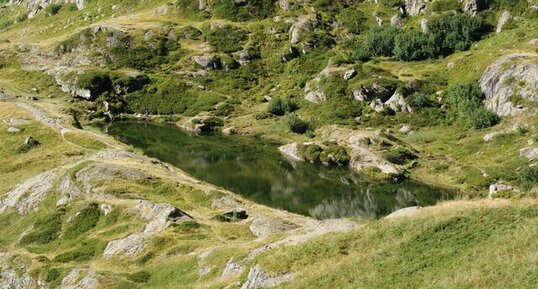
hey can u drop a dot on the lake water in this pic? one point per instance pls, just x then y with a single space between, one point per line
255 169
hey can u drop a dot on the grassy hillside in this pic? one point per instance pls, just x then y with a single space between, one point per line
79 208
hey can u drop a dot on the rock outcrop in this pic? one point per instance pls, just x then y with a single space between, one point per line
80 279
512 77
292 151
35 6
258 278
303 26
503 20
264 226
415 7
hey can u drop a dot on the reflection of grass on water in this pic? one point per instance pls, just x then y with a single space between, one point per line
256 169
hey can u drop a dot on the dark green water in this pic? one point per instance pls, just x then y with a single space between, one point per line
256 170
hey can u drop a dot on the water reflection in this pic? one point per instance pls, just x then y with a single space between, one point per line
256 170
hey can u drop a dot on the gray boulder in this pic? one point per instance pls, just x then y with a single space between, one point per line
300 28
530 153
514 75
258 278
264 226
208 62
415 7
503 20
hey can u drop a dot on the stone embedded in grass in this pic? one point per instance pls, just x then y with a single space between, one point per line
12 129
29 143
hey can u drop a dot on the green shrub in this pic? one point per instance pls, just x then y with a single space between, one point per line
335 154
528 176
400 156
253 9
21 17
140 277
46 230
52 9
227 39
393 3
86 220
97 82
296 124
414 45
279 106
380 41
420 100
84 253
311 153
456 32
466 99
212 124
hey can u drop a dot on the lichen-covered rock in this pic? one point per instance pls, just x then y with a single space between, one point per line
258 278
503 20
397 21
264 226
208 62
232 269
80 279
292 151
530 153
28 196
513 76
373 91
35 6
300 29
471 6
415 7
494 189
405 212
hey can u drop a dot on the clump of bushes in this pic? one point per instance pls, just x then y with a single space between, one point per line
140 277
400 156
279 106
86 220
84 253
330 154
97 82
528 176
446 34
52 9
466 99
227 39
46 229
212 124
251 10
296 124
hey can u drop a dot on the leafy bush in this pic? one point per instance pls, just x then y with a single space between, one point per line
529 177
227 39
414 45
336 154
399 156
311 153
84 253
380 41
419 100
212 124
456 32
140 277
21 17
296 124
97 82
52 9
279 106
253 9
168 97
46 230
467 101
83 222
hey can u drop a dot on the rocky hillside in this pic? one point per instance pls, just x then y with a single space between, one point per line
441 91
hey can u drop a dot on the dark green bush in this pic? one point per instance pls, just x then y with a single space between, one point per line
311 153
86 220
456 32
227 39
335 154
528 176
420 100
380 41
466 99
84 253
414 45
21 17
253 9
46 230
400 156
52 9
393 3
97 82
140 277
279 106
296 124
212 124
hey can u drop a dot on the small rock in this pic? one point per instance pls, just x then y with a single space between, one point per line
405 212
499 187
349 74
229 130
490 136
531 153
505 18
30 141
405 129
264 226
258 278
13 129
